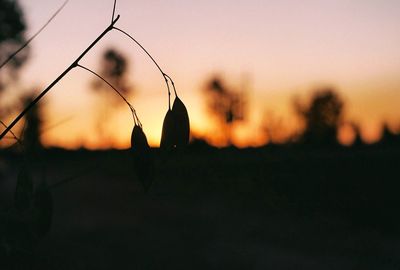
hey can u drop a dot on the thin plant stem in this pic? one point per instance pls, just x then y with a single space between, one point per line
137 119
113 13
109 84
115 89
172 82
166 77
65 72
11 56
169 93
140 45
12 133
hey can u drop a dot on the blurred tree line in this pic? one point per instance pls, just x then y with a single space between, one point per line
321 117
12 37
228 106
14 98
114 68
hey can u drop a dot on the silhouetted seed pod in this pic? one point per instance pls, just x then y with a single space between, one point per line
138 139
181 118
143 161
43 209
24 190
168 135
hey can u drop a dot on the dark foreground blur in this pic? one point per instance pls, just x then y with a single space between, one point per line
267 208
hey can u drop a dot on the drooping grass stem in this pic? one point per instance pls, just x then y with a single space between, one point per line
140 45
135 117
166 77
65 72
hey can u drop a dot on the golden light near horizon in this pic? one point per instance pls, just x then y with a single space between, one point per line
286 48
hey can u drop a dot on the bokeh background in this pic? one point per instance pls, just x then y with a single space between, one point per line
270 52
295 136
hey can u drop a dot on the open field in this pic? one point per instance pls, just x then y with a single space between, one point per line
267 208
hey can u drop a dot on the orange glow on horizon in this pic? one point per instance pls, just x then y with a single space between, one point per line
346 136
284 53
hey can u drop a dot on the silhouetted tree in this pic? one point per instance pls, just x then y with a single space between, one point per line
114 69
322 117
33 124
226 105
388 135
12 27
357 134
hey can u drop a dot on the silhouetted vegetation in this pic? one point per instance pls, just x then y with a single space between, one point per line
281 206
115 70
226 105
321 117
389 137
12 29
32 130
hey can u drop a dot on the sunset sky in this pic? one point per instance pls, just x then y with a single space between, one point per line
276 49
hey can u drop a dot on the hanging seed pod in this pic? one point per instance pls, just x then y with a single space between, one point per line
138 139
168 135
181 118
143 161
24 190
43 207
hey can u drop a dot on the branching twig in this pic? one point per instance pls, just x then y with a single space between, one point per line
11 56
65 72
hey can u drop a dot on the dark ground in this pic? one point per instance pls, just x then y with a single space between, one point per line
267 208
